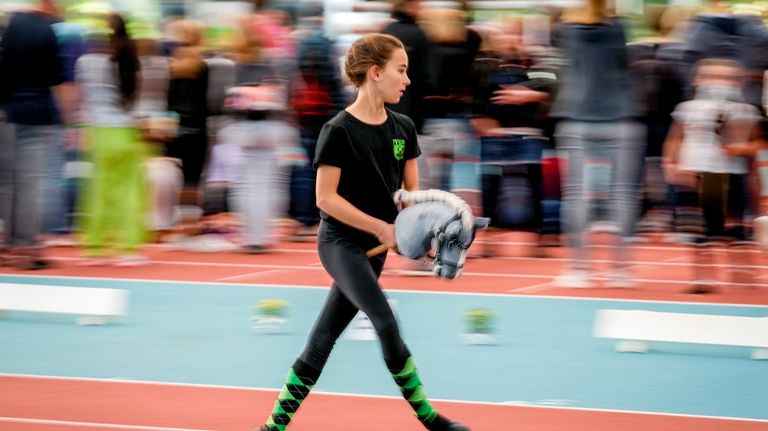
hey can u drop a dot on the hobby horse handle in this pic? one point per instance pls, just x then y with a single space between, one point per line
381 248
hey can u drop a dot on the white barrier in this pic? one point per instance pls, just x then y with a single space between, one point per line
94 306
361 327
636 329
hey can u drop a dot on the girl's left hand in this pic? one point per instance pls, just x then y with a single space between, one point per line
738 150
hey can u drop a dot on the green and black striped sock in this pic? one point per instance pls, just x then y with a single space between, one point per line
300 380
407 379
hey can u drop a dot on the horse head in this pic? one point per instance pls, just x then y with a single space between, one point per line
438 227
451 243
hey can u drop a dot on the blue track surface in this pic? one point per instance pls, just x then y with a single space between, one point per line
199 333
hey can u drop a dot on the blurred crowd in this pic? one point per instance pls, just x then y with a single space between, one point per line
117 132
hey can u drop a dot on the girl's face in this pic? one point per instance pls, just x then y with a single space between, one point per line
718 82
392 79
718 75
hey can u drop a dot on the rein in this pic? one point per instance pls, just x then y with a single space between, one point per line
439 232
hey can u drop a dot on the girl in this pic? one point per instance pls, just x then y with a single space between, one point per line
364 154
707 158
115 197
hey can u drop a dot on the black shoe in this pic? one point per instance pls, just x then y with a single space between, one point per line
255 249
441 423
31 263
702 287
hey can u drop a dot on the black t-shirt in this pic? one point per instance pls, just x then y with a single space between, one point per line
372 161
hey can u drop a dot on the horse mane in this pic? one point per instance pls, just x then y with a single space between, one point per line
433 195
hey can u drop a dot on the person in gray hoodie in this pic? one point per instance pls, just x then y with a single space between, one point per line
719 33
600 137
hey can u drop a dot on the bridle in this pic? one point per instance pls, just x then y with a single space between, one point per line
440 239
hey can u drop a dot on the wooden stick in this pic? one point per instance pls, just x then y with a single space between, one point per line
381 248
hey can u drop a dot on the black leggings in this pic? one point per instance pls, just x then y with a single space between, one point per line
356 287
716 207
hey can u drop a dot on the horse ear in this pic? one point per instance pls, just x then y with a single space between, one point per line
482 222
453 229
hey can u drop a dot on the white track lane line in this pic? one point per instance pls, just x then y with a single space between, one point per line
403 291
513 243
97 425
383 397
540 287
251 275
678 261
634 246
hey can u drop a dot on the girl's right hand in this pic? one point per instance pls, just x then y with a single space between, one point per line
387 236
674 175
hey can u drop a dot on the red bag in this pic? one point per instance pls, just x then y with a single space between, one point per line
310 99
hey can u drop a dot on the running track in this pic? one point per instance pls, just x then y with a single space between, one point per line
75 403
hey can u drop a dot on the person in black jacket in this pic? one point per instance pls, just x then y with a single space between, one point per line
417 46
658 79
316 98
187 96
31 64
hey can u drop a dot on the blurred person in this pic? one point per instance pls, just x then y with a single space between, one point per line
215 217
114 201
454 46
275 25
706 157
221 76
188 98
32 66
259 191
717 32
447 137
512 100
60 190
3 23
164 174
222 174
658 79
316 97
258 104
601 140
364 155
221 227
405 13
444 110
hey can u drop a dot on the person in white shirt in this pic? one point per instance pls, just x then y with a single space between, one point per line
706 158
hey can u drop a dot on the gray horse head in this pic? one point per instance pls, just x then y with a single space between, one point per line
437 226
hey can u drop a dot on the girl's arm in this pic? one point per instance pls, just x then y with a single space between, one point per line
671 158
411 175
672 143
749 148
329 200
339 208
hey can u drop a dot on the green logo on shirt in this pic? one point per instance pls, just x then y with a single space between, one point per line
398 148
